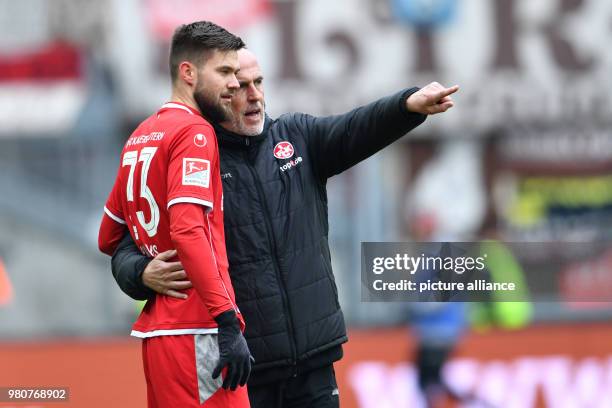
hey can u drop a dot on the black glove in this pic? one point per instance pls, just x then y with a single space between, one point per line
233 352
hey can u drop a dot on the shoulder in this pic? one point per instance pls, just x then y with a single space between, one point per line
194 123
292 118
290 127
179 118
294 121
192 127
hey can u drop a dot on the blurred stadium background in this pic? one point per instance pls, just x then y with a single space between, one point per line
526 155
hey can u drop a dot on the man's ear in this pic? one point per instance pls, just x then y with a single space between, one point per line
187 72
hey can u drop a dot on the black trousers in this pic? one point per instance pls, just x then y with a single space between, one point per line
312 389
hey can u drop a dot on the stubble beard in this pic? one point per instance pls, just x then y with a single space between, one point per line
250 130
211 107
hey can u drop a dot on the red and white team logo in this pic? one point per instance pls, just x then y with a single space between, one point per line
199 140
283 150
196 172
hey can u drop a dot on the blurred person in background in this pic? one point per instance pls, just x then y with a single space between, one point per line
438 328
451 175
274 174
186 343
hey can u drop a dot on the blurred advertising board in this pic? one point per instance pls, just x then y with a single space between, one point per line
163 17
540 366
555 185
517 61
546 192
42 89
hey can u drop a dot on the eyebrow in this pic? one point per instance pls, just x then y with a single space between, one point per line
223 67
244 81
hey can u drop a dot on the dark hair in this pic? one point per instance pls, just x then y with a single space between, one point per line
193 42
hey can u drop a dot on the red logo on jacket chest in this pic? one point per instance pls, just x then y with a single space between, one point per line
283 150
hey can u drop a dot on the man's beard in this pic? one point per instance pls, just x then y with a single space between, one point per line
251 130
238 123
211 109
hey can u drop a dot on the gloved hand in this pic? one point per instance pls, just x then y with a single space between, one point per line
233 352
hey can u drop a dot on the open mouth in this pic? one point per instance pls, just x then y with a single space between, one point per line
227 97
253 113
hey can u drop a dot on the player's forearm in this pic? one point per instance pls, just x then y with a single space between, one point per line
127 265
187 230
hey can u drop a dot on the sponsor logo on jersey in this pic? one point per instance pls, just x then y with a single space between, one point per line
283 150
141 139
199 140
196 172
290 164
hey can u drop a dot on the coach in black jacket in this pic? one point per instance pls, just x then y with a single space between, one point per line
274 174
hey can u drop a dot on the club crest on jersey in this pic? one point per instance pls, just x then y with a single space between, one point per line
196 172
199 140
283 150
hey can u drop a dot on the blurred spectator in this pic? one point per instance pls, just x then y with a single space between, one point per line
438 328
499 311
452 176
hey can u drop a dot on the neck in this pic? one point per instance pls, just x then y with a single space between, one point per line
184 97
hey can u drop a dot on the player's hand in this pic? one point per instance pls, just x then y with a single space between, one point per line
431 99
233 352
167 278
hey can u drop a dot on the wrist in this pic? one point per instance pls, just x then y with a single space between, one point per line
405 104
141 267
227 319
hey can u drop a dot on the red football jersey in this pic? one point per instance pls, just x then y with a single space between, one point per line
168 193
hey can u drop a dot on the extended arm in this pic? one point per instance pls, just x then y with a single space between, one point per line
341 141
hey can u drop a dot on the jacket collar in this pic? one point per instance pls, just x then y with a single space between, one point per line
231 139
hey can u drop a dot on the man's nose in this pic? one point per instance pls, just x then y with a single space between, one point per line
254 94
233 83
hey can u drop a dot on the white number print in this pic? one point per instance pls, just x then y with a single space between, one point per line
131 159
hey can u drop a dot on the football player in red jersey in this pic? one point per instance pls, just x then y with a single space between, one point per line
168 194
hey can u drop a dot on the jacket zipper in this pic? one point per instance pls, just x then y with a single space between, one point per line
270 231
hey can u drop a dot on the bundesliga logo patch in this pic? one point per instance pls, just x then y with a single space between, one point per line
283 150
196 172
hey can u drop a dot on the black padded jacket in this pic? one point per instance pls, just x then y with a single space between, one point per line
276 229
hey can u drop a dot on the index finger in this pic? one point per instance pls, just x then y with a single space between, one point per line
446 92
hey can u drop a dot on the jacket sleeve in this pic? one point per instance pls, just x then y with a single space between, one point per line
128 264
341 141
